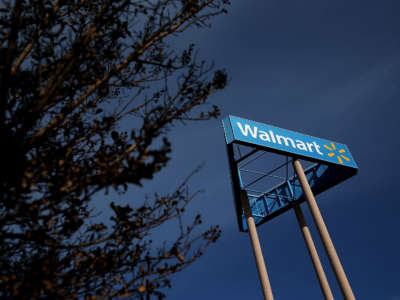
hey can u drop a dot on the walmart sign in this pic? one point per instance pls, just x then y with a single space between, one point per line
286 141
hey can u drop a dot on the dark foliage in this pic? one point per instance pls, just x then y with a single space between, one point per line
70 72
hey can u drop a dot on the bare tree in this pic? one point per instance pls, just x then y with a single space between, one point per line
70 72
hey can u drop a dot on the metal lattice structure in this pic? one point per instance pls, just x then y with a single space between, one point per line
270 182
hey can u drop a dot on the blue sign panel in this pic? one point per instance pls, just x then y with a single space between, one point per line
286 141
333 164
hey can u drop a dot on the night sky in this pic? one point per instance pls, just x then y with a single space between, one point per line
330 69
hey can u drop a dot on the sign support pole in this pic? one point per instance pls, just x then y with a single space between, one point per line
319 270
323 232
262 270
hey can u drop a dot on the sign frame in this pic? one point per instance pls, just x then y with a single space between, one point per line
324 174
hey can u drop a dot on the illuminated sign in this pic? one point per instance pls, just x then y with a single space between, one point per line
286 141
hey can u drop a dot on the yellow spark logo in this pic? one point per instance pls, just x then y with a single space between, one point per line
339 156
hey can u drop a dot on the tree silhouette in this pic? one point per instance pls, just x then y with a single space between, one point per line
70 72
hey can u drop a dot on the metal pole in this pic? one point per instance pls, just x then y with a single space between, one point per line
323 232
262 270
319 270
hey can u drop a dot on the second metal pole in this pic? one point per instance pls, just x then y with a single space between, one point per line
319 270
262 270
323 232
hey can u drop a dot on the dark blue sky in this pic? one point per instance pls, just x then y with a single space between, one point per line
326 68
